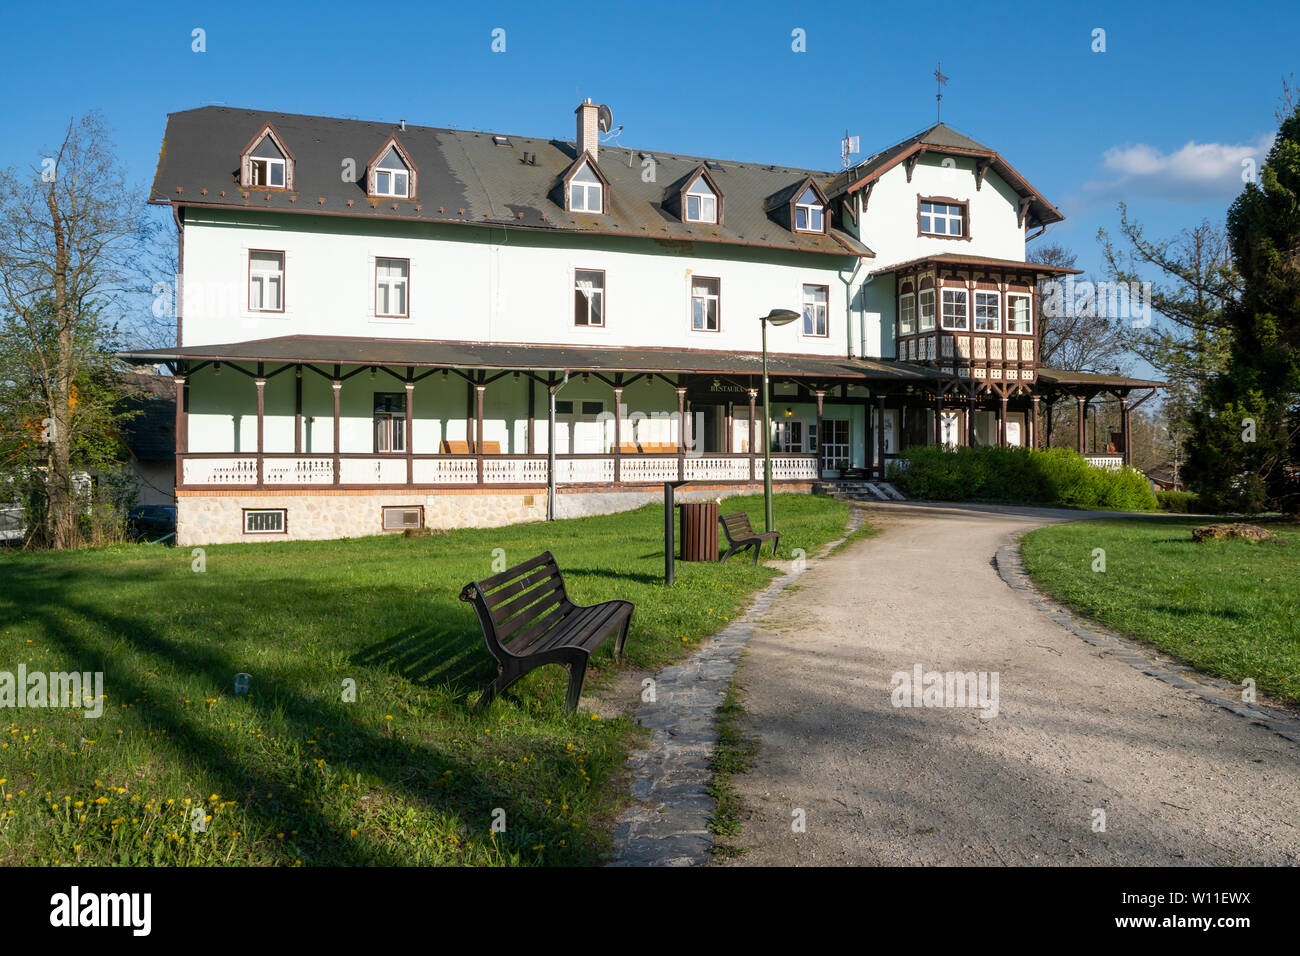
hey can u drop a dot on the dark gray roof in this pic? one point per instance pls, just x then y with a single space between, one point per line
466 177
324 349
1065 377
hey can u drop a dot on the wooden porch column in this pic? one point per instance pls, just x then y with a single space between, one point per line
866 434
880 433
1002 421
1125 430
182 427
297 410
338 387
261 417
753 430
1033 421
410 428
1081 430
681 433
1047 437
820 463
900 439
938 416
970 419
478 428
618 433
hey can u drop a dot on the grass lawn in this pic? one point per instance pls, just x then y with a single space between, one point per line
290 773
1228 608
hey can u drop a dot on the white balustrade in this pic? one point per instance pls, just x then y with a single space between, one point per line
789 468
584 470
219 471
1106 462
372 471
647 468
731 468
514 471
298 471
445 471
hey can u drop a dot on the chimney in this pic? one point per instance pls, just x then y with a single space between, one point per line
587 129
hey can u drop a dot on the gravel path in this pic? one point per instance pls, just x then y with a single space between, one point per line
1078 729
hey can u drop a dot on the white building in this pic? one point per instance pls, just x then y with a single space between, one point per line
373 320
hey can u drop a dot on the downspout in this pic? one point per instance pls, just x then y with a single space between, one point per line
550 448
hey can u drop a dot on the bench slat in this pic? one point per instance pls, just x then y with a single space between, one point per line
549 584
491 584
521 643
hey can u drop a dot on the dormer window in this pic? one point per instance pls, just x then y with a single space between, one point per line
585 191
390 173
266 162
809 213
701 203
392 177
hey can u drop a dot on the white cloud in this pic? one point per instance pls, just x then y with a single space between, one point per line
1194 173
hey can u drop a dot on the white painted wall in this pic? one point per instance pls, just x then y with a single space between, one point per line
479 284
888 225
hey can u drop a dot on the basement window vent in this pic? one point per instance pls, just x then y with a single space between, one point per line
264 521
399 519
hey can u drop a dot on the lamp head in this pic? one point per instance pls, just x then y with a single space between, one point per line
779 317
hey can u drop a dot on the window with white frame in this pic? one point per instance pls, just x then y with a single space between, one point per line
264 521
988 316
585 191
1018 314
943 219
706 295
809 215
268 167
266 172
265 281
701 202
926 301
956 309
392 283
390 422
392 177
906 314
815 298
588 297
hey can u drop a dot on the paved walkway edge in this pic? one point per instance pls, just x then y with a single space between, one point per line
1149 661
669 824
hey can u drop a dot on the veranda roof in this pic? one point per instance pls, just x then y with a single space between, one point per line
328 350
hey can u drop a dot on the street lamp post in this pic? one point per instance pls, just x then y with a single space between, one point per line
775 317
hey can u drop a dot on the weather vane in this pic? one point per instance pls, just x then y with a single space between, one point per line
940 80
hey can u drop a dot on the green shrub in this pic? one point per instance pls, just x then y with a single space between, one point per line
1019 475
1181 502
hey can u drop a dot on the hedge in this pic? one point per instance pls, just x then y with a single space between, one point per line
1055 476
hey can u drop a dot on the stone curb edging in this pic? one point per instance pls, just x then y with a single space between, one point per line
1011 569
669 824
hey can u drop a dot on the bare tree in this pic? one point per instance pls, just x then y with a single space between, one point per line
1070 338
67 228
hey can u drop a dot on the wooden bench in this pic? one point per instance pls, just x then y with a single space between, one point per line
647 448
741 536
528 621
463 448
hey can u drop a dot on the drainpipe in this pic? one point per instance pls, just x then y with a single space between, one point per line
550 449
848 307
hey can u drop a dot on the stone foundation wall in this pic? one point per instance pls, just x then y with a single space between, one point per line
217 518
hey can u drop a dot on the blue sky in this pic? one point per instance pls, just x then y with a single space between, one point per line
1161 119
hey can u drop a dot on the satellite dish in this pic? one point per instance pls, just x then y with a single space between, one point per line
604 118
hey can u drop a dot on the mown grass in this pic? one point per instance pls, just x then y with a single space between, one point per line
290 773
1228 608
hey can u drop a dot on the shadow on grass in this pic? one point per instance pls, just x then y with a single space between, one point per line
126 647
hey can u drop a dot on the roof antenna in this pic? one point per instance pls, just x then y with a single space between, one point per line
940 80
848 147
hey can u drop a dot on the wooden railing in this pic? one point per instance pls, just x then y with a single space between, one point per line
279 470
1108 462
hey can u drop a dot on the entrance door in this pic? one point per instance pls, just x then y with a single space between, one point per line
835 443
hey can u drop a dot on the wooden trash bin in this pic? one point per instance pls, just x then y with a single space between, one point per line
699 530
